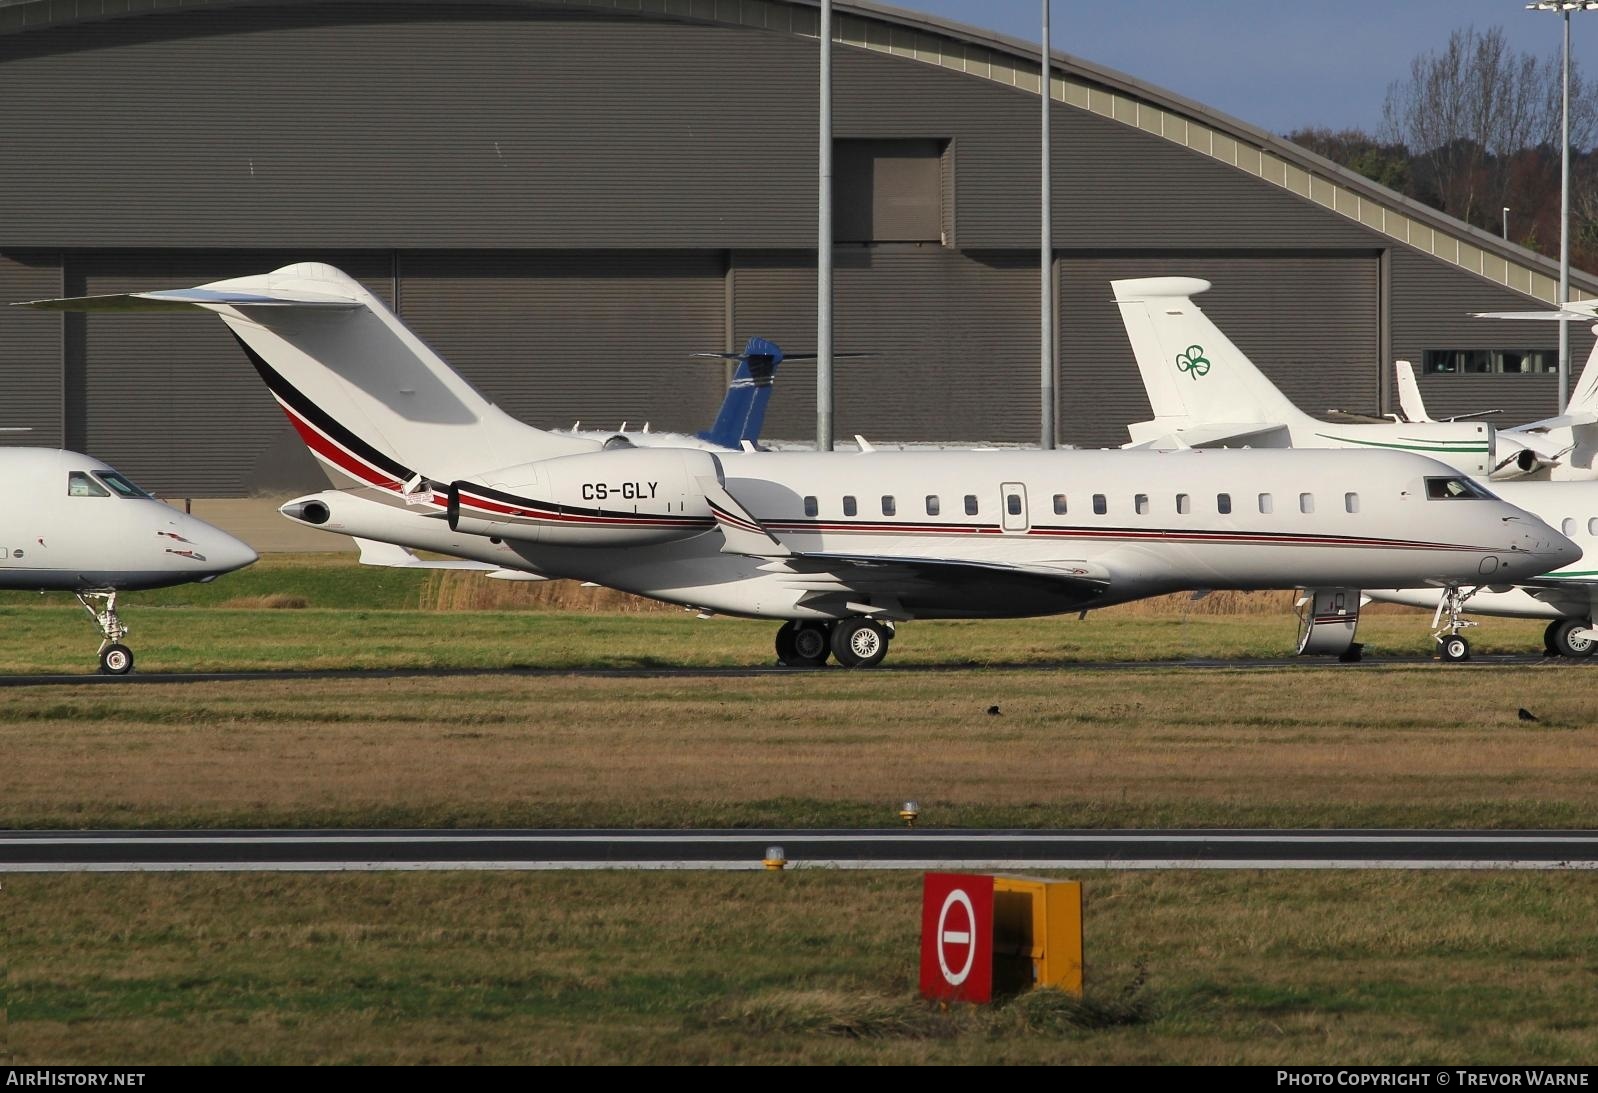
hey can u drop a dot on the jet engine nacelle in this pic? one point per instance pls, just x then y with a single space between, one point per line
619 497
1327 621
1515 460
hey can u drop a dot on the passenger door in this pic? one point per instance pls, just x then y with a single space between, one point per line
1012 504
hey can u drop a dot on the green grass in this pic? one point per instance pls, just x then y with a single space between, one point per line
809 967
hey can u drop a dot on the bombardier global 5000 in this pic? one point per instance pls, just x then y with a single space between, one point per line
841 547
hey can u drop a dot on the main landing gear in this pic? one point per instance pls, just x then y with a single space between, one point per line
1569 638
115 658
855 643
1451 644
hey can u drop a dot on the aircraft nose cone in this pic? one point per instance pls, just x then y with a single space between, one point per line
213 550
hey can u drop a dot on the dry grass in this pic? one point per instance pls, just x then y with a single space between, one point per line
275 601
1423 745
1260 968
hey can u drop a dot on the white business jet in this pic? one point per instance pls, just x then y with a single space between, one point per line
840 546
78 526
1207 393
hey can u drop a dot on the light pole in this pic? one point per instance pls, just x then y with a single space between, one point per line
824 243
1046 253
1564 7
1506 223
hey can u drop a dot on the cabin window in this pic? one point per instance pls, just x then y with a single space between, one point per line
80 484
1223 504
849 506
1140 504
888 506
971 498
1592 525
1567 526
1306 502
932 498
810 502
1012 501
1184 504
1350 502
1100 506
1454 489
1267 504
1059 498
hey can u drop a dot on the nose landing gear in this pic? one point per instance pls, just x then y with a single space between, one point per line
1451 644
855 643
115 658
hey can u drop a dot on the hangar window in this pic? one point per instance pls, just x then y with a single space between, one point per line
849 506
1223 503
887 191
1350 502
1100 506
889 507
971 502
80 484
1059 504
932 504
1267 504
1489 362
1306 502
1184 504
1140 504
810 506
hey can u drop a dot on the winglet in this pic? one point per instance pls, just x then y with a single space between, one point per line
742 532
1409 399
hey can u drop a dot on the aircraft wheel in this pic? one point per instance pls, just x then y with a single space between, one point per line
859 643
116 660
1569 646
1550 641
802 645
1453 648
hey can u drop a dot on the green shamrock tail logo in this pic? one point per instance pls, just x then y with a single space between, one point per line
1193 362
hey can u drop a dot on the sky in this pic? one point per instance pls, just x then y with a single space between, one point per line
1279 65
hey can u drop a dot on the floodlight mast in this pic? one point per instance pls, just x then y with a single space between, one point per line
1564 7
1046 252
824 400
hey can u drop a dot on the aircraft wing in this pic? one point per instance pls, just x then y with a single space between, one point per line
188 299
899 587
1220 435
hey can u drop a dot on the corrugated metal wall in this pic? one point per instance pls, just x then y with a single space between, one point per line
553 338
1310 323
952 338
170 399
1432 305
30 351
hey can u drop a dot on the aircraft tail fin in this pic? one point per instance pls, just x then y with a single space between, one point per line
1192 372
1584 398
369 398
743 409
1409 399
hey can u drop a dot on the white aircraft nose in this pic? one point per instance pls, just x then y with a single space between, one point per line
213 550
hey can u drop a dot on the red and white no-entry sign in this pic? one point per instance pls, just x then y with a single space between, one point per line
957 937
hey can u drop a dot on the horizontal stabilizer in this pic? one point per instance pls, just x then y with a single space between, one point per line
190 299
1576 311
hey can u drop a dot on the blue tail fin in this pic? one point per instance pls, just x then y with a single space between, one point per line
743 411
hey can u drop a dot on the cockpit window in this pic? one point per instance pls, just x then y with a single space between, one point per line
119 484
1455 489
80 484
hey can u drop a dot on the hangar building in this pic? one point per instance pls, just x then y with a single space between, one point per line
567 197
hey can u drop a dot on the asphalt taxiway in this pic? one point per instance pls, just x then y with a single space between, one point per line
894 848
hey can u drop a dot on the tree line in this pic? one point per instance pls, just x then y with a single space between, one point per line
1474 129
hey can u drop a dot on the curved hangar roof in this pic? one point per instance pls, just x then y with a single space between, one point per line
1074 82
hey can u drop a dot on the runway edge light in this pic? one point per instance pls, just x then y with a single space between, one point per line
984 935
